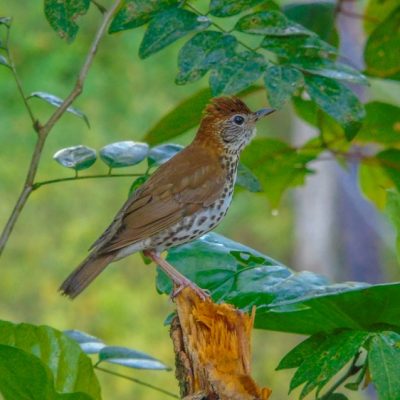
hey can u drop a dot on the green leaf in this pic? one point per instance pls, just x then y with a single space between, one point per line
373 182
376 11
381 123
237 73
6 21
381 53
137 183
384 362
161 154
337 101
298 46
57 102
227 8
168 26
281 82
302 351
303 303
393 213
71 369
76 157
88 343
271 23
184 116
318 16
327 360
277 166
390 161
130 358
62 16
135 13
124 154
202 52
247 180
335 396
4 61
329 69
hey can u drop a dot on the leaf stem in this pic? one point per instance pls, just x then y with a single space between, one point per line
148 385
44 130
37 185
101 8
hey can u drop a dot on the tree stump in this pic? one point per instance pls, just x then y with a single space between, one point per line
212 347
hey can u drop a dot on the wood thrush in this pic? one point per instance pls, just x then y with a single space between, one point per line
184 198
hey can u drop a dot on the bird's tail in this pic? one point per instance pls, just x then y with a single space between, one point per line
84 274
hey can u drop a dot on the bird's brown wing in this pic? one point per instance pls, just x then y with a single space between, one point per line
193 179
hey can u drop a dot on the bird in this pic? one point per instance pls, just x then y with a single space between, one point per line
182 200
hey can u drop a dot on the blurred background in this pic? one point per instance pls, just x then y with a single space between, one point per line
325 226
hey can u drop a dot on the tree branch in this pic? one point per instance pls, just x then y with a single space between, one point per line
44 130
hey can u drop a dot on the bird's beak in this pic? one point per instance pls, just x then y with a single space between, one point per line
263 113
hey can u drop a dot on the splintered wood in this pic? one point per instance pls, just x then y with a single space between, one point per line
212 347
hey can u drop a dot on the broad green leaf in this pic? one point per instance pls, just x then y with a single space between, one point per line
381 123
277 165
306 110
237 73
393 212
271 23
88 343
298 46
76 157
247 180
57 102
296 356
318 16
137 183
337 101
335 396
129 358
227 8
376 11
373 182
390 161
329 69
161 154
184 116
135 13
202 52
381 52
303 302
124 154
281 82
71 368
384 364
168 26
62 16
327 360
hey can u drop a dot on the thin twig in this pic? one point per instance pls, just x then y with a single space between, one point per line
353 14
37 185
148 385
44 130
101 8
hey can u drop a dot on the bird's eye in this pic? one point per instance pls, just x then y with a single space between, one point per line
238 120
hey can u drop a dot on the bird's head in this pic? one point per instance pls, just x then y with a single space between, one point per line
229 123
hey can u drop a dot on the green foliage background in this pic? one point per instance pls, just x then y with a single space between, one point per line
124 97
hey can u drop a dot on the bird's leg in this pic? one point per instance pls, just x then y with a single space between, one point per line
179 280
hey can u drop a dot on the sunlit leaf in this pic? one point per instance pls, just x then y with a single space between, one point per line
390 161
57 102
135 13
237 73
130 358
62 16
381 52
227 8
271 23
281 82
377 11
337 101
383 363
202 52
76 157
247 180
71 369
124 154
168 26
88 343
393 213
161 154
